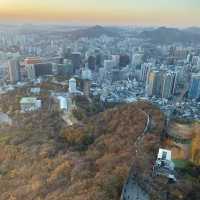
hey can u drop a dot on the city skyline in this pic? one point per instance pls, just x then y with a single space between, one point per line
126 12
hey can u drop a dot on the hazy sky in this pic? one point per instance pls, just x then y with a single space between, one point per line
133 12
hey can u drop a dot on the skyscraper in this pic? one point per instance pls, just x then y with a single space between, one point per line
13 70
92 62
154 83
76 60
194 91
99 60
168 81
42 69
124 60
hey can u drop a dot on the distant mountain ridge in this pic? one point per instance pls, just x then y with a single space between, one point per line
165 35
94 31
193 29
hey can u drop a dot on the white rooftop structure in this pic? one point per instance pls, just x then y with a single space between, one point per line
164 154
164 164
29 104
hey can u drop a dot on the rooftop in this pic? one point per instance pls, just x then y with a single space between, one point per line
28 100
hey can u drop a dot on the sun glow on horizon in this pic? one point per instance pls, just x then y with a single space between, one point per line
174 12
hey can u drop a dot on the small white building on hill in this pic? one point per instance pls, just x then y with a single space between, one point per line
164 154
29 104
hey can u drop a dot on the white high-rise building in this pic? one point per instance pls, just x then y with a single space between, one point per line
72 85
145 69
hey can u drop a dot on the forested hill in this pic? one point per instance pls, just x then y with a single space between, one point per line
41 158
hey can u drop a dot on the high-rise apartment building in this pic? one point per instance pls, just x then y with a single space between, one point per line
194 91
151 82
154 83
145 69
168 85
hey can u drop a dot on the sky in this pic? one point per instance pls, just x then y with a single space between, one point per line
112 12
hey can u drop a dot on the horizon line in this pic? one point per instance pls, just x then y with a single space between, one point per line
91 24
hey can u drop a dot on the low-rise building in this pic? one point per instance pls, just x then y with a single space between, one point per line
29 104
35 90
63 104
164 165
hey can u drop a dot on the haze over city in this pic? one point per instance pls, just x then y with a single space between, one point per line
99 100
111 12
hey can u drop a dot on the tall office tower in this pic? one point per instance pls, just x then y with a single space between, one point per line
124 60
145 69
194 91
76 60
42 69
92 62
13 70
159 83
99 60
168 81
